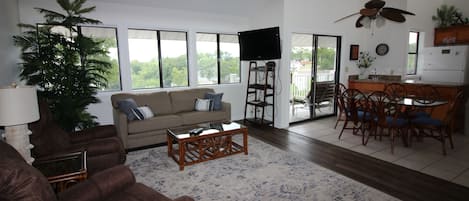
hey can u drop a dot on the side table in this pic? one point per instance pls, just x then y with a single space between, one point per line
63 171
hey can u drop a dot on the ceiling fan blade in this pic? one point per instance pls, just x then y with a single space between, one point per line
378 4
369 12
353 14
392 15
358 23
398 10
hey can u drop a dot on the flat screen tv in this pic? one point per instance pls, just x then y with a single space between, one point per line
260 44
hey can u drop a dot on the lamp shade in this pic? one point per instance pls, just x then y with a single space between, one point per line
18 105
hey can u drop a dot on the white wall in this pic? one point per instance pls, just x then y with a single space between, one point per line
8 52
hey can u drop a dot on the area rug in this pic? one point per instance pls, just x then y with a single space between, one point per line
267 173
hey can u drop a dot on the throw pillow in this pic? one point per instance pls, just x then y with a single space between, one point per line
202 104
126 106
142 113
216 100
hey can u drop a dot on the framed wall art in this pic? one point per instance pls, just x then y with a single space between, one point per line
354 51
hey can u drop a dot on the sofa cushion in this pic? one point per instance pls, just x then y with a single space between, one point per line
156 123
203 104
184 100
127 106
196 117
159 102
216 100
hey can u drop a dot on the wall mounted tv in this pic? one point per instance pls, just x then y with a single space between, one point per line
260 44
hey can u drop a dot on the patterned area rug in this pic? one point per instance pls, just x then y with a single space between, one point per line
267 173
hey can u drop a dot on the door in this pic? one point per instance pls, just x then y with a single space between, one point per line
314 71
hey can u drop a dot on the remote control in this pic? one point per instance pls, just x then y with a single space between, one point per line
196 131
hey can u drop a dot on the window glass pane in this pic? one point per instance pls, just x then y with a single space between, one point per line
413 41
174 58
143 54
207 58
229 59
411 63
301 65
109 38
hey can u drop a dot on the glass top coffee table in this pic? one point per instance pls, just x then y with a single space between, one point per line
214 140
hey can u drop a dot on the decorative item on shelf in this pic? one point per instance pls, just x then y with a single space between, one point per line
447 16
18 107
364 62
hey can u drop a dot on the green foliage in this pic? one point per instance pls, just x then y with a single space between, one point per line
65 66
326 57
447 16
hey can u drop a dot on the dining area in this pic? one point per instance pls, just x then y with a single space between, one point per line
399 114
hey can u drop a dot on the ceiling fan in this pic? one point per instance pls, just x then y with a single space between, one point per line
375 10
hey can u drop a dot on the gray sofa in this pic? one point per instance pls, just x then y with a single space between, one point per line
173 109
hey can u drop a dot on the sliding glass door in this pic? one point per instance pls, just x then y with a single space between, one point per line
314 71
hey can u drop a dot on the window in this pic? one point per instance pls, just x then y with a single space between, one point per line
158 58
218 58
412 56
109 38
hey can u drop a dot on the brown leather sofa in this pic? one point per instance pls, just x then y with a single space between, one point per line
104 148
20 181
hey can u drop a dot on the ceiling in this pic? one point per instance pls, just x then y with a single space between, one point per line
226 7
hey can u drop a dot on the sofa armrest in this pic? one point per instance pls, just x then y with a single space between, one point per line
121 124
93 133
226 107
100 186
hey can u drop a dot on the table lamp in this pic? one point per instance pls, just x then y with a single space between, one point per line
18 107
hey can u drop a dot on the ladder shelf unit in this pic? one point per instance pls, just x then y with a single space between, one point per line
260 93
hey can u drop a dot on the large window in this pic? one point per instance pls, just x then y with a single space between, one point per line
109 38
217 58
412 56
158 58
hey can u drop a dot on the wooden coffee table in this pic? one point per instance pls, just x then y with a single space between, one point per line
214 142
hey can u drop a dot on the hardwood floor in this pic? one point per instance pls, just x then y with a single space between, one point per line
395 180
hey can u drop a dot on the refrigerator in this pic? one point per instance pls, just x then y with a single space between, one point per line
446 64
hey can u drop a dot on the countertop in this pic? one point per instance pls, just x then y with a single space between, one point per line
417 82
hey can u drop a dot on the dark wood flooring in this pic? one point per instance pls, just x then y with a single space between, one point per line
395 180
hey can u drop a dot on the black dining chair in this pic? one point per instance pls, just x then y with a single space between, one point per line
356 111
339 89
386 113
427 126
426 94
396 91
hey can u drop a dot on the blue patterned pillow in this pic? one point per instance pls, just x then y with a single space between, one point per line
142 113
126 106
216 100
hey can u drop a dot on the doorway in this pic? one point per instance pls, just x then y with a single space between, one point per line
314 72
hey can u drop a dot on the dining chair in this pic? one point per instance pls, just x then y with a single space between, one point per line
396 91
435 128
339 89
386 113
426 94
356 111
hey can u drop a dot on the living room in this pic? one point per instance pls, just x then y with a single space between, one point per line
231 17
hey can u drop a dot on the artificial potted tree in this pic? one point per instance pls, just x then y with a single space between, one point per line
63 64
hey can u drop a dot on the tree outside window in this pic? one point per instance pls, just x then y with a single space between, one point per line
412 56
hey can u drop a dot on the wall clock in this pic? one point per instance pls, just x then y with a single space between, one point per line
382 49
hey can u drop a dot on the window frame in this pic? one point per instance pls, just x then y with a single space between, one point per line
119 67
218 58
414 53
160 59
